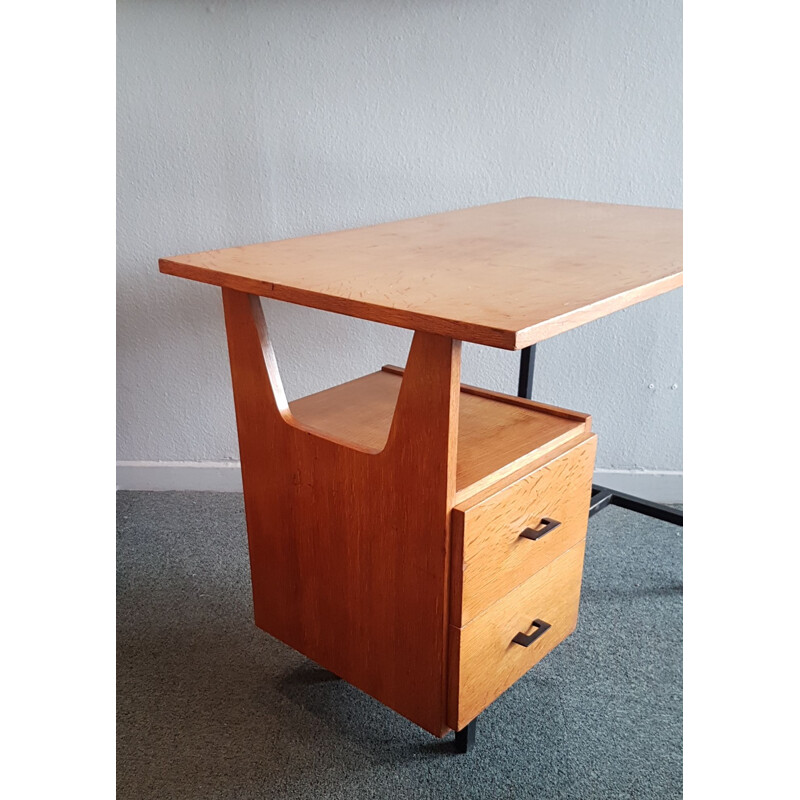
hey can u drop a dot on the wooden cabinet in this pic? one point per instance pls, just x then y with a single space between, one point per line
517 557
383 510
517 535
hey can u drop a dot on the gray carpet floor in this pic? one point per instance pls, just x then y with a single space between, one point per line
211 707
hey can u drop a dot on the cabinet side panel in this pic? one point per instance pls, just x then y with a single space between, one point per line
349 550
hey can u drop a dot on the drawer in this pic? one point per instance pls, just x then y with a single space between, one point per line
491 555
485 660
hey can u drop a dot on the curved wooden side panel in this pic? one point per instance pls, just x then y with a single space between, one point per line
349 548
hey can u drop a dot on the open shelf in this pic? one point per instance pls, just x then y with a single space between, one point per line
497 434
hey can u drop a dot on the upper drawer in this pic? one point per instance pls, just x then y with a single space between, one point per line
501 540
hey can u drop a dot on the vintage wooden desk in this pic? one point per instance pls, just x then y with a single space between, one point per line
422 539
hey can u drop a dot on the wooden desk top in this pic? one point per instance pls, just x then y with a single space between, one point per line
505 275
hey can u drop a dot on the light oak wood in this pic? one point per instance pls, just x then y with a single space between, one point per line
349 548
497 434
505 275
513 400
490 558
485 662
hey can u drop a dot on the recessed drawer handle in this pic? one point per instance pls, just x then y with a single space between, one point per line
538 532
527 641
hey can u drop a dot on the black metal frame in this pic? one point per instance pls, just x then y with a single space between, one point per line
601 496
527 361
465 738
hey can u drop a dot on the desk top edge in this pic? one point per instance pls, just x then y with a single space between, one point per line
625 276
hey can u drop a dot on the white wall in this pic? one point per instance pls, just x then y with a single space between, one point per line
241 122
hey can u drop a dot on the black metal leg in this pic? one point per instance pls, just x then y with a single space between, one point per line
527 361
465 738
656 510
601 497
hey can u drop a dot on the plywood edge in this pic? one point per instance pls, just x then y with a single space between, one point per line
457 532
608 305
386 315
522 402
454 678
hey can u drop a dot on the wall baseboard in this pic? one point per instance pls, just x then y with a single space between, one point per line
226 476
179 476
656 486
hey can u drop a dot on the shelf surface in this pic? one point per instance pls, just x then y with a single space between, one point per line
504 275
497 435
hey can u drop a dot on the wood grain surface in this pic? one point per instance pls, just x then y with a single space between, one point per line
349 549
490 558
497 434
485 662
505 275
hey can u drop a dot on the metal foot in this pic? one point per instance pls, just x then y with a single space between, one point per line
602 497
465 738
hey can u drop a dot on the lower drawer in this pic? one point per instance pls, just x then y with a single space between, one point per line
484 658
